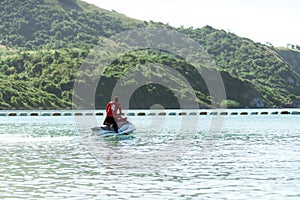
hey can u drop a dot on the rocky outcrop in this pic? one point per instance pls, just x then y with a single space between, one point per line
291 57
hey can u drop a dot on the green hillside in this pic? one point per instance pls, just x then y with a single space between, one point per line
17 94
44 77
274 78
52 24
44 42
290 56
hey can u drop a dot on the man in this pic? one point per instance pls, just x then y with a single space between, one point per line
112 109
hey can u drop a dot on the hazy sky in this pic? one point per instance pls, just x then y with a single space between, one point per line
275 21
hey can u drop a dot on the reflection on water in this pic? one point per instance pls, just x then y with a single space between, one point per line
254 157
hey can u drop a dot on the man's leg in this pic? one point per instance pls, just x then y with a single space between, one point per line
115 126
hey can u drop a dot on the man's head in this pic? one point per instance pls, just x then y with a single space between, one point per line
116 98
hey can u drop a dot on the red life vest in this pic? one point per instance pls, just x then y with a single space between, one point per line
112 109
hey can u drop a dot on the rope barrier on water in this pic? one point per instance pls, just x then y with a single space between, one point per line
148 113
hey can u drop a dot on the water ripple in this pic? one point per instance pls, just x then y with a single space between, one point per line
248 159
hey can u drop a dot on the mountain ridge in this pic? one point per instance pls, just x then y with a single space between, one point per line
45 54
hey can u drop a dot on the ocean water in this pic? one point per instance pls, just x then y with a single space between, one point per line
167 157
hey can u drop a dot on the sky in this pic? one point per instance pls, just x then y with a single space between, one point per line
273 21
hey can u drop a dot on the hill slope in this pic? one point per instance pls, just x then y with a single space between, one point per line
276 80
48 40
291 57
36 24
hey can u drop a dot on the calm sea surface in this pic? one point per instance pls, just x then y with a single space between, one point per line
167 157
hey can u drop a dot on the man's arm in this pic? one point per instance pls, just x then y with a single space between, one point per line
120 109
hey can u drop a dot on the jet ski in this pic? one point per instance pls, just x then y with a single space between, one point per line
125 128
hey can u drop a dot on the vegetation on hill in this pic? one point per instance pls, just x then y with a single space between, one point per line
48 40
290 56
239 92
260 65
53 24
46 75
17 94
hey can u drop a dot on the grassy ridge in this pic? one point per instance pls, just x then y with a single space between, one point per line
276 80
52 24
42 78
48 40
